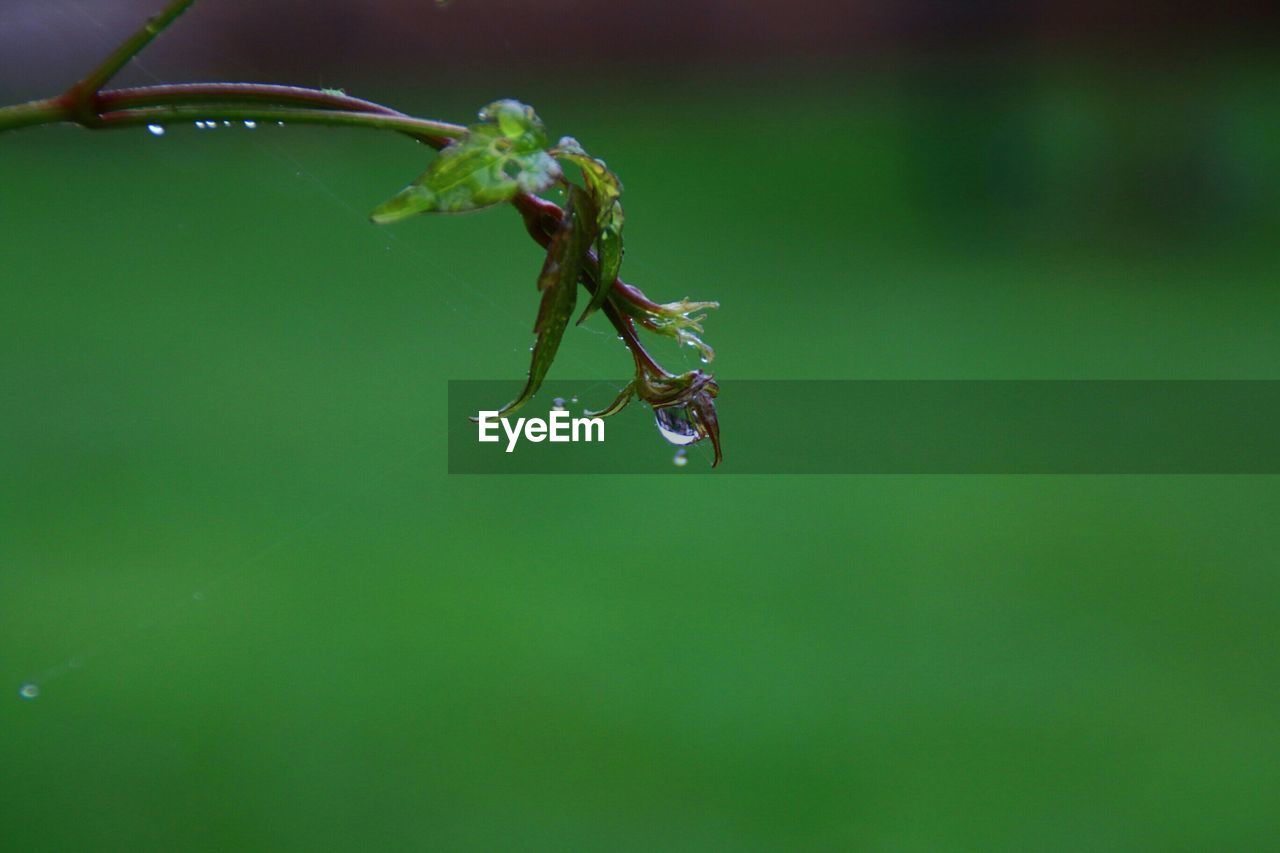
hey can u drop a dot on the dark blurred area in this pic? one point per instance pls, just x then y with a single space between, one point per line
1066 119
397 36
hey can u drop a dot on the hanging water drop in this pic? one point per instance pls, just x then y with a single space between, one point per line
156 129
680 459
29 691
675 425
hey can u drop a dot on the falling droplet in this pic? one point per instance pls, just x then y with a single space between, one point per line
250 125
680 460
29 691
156 130
558 403
674 424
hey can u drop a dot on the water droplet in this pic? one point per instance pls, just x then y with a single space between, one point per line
29 691
558 403
674 424
200 125
226 124
156 130
250 125
279 124
680 460
573 399
704 360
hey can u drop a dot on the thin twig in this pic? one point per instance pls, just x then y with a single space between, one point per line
331 118
80 96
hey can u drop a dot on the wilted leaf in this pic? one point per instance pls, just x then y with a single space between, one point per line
505 153
559 285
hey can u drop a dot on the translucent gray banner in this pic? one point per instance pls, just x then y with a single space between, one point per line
899 427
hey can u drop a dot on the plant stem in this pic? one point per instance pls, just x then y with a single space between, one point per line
86 104
236 93
332 118
80 96
33 113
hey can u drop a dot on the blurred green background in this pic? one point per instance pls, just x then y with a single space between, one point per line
261 616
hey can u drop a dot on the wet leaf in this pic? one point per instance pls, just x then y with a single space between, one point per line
619 403
559 285
609 254
691 399
603 184
505 153
606 192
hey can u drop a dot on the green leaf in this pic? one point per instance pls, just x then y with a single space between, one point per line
619 403
606 191
559 285
609 253
505 153
603 184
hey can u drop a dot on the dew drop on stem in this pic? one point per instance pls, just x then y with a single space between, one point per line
156 129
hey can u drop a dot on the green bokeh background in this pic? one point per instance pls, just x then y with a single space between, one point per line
261 616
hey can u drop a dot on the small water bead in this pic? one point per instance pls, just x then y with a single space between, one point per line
29 691
250 125
226 124
156 130
680 459
675 425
